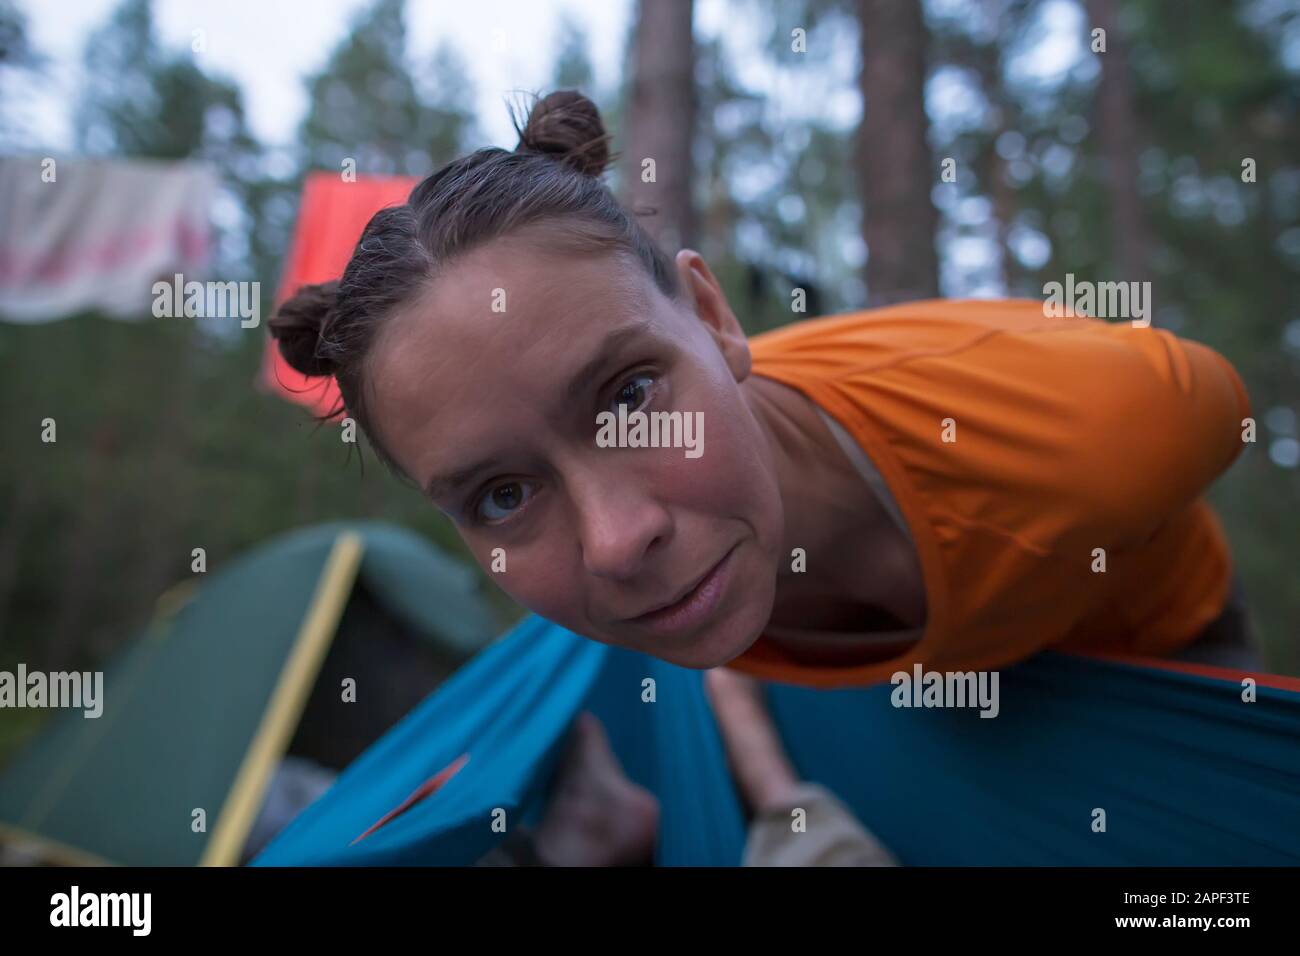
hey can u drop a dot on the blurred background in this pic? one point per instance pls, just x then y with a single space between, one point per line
1127 164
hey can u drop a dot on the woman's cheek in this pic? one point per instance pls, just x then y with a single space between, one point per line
722 478
552 602
537 582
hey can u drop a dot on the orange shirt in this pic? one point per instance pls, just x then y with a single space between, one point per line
1068 435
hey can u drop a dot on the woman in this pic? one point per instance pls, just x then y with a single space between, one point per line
958 484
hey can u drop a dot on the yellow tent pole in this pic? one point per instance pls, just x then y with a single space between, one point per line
287 702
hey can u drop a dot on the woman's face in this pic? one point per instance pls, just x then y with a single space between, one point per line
486 391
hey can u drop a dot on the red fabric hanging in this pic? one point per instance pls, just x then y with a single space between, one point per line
331 218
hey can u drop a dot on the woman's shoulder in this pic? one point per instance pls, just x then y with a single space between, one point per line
1043 427
891 334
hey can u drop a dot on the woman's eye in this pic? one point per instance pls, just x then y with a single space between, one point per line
502 501
635 392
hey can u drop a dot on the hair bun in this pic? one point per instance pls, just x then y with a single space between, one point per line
567 126
297 327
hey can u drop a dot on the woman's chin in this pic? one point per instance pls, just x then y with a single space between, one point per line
722 642
729 631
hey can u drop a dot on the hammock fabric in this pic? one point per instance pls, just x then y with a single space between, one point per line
1186 772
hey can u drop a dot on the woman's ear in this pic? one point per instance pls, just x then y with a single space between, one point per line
705 297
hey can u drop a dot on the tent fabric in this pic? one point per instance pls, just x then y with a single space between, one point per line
1185 770
331 218
185 705
99 234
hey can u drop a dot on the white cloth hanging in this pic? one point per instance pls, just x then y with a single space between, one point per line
97 234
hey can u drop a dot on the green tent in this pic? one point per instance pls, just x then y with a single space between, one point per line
255 665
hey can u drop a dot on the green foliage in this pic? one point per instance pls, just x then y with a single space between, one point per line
364 104
194 453
572 62
191 456
167 444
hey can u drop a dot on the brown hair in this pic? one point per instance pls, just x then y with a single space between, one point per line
552 176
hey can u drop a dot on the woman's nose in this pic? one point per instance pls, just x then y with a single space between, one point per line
619 526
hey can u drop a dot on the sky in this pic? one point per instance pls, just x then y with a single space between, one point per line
269 47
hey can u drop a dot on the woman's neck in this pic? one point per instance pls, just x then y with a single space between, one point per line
831 513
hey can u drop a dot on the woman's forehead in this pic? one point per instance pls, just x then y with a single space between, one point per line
512 298
495 322
527 276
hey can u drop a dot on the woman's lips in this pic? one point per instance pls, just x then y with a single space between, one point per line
694 608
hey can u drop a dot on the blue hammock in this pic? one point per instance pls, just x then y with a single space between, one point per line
1185 770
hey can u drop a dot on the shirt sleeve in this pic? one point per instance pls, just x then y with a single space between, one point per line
1161 420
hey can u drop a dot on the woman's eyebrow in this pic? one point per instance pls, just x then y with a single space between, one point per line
613 340
440 485
444 485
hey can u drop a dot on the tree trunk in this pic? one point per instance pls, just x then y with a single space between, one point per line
660 121
89 538
994 174
1120 144
897 169
167 536
13 537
